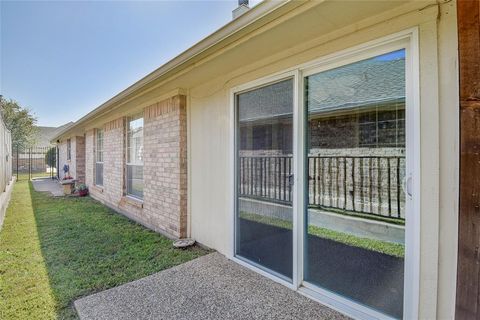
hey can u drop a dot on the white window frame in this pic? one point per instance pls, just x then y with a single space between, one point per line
97 131
408 40
127 142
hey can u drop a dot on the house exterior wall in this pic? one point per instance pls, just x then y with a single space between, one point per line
62 157
114 161
209 124
77 161
210 143
165 165
90 157
79 158
164 205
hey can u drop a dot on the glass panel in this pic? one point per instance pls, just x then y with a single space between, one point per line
99 174
69 149
264 169
355 235
135 156
99 146
135 181
99 159
135 141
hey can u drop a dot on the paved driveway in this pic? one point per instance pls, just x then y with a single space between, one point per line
210 287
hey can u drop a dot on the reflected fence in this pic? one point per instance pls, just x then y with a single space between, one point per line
35 162
369 185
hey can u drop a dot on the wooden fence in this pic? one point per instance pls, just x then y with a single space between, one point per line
5 156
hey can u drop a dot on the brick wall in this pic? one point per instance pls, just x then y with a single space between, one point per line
165 165
113 161
79 159
164 206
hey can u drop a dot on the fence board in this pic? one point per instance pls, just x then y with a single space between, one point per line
5 156
468 271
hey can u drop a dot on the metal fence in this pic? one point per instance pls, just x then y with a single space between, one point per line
5 156
361 184
35 162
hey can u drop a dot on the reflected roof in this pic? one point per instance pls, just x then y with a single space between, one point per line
371 82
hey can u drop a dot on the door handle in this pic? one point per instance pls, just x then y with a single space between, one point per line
409 184
290 179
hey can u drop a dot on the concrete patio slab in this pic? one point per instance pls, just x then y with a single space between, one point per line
210 287
48 185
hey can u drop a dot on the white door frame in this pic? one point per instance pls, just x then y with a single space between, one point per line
258 83
408 40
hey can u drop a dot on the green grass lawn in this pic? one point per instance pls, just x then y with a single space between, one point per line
55 250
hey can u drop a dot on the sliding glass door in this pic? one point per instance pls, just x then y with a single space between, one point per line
341 232
355 212
264 169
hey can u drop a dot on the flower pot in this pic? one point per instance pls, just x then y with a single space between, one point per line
68 188
82 193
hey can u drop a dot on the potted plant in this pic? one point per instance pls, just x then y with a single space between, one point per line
82 190
66 172
67 182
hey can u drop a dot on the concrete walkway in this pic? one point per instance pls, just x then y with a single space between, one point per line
48 185
210 287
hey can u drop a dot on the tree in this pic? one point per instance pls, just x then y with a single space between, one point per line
21 123
51 157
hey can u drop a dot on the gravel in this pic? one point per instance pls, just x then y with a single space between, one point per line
210 287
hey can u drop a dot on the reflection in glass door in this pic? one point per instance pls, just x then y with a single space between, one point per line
355 217
264 169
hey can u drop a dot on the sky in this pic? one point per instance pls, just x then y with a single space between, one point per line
63 59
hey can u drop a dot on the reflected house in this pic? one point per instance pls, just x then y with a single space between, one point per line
302 141
134 177
356 125
355 160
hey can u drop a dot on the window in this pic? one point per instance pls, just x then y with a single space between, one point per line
69 149
134 168
99 158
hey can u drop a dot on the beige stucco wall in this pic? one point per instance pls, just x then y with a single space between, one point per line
62 157
210 162
448 158
77 161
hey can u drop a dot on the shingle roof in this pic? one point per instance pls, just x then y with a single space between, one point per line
45 134
363 83
270 101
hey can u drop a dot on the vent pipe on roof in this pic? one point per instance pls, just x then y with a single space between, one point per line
241 9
